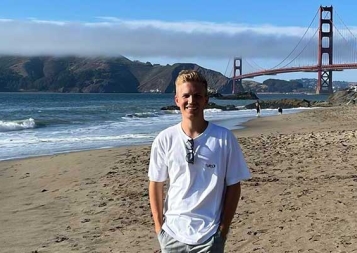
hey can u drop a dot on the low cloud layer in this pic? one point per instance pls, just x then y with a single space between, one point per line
139 39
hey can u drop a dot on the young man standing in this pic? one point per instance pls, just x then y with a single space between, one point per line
204 165
257 107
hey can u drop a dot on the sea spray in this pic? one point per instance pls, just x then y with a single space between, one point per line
6 126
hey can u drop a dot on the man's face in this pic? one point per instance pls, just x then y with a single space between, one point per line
192 99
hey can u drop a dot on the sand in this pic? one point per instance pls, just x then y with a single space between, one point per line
302 196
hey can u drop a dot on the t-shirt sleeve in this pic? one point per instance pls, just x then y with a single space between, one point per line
157 167
237 169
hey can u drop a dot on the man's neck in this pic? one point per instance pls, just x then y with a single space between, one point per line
194 128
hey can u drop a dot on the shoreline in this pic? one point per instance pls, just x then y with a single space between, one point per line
75 151
272 124
239 127
301 197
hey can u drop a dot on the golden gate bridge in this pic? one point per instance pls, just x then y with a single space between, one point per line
316 43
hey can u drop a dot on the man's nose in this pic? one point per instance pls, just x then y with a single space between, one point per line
190 99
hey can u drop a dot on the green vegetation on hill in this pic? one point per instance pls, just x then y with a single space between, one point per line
93 75
274 85
283 86
121 75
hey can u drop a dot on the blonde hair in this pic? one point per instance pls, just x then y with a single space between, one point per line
190 76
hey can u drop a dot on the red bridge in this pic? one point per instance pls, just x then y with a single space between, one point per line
327 61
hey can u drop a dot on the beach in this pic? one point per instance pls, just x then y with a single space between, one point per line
302 196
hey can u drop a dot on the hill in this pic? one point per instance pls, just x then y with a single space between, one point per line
121 75
273 85
294 85
96 75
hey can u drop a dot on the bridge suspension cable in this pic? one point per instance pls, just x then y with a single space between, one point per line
345 25
349 43
256 65
301 39
229 61
301 50
330 45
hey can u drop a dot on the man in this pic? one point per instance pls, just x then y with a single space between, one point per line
280 110
204 165
257 107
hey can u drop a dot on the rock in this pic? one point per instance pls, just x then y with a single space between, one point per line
238 96
344 97
214 94
170 108
321 104
282 103
210 105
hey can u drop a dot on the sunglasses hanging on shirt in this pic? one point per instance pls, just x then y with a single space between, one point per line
190 155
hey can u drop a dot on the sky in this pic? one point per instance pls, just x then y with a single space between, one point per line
208 33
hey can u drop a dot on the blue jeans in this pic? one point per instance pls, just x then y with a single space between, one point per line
214 244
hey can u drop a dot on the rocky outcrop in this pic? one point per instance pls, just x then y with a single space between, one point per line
238 96
345 97
268 104
209 106
282 103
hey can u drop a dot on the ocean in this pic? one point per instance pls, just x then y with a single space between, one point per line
34 124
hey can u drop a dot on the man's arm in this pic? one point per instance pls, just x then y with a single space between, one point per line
229 207
156 196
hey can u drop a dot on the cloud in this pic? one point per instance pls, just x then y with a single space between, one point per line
138 39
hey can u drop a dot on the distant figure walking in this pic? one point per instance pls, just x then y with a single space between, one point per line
280 110
257 107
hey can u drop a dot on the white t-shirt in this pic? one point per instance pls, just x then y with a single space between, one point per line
194 199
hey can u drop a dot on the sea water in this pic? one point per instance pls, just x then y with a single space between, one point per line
33 124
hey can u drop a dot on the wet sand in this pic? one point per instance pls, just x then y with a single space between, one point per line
302 196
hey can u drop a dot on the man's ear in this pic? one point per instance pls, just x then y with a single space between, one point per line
176 100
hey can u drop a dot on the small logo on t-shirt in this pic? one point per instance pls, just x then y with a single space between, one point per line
210 166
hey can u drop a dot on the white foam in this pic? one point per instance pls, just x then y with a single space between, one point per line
6 126
113 133
212 111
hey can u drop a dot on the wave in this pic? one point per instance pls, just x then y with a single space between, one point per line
170 112
213 110
161 113
73 140
141 115
6 126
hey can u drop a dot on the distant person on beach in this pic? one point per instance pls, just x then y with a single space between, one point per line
280 110
204 165
257 107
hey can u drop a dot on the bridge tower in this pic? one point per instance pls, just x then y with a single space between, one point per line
325 48
236 67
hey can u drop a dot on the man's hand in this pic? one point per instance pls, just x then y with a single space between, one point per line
224 231
157 229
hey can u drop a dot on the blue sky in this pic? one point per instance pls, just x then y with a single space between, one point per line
209 33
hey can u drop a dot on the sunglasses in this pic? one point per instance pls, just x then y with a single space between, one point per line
190 156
